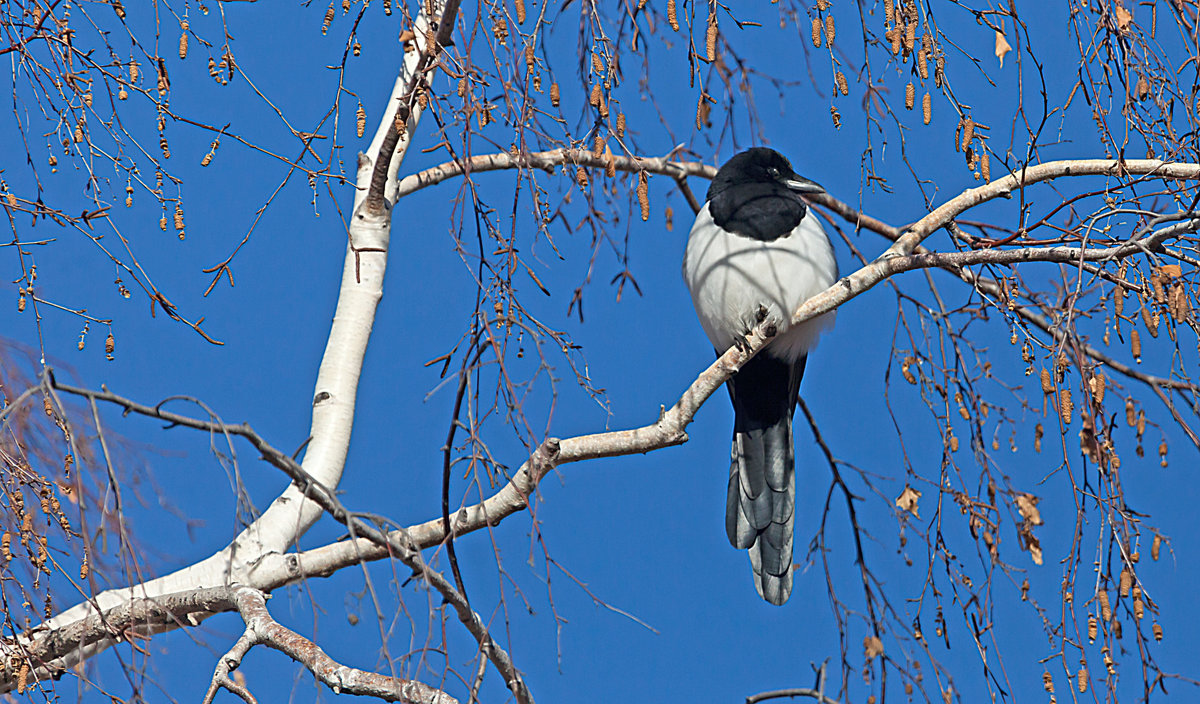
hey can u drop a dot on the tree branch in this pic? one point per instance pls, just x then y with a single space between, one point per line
548 161
396 543
262 629
49 652
399 124
790 694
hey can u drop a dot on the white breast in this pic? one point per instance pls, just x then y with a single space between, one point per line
730 276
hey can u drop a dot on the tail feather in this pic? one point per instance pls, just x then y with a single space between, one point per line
774 586
750 503
760 505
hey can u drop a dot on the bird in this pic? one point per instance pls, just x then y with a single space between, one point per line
756 252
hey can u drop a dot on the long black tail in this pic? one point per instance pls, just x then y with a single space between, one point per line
760 507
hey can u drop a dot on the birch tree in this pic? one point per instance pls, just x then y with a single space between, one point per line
1040 269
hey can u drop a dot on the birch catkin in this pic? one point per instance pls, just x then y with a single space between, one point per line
710 38
643 195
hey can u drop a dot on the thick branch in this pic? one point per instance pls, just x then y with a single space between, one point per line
1003 188
403 119
397 543
896 259
50 652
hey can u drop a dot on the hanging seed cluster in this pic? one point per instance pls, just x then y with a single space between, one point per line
643 194
969 137
500 29
824 30
704 111
161 79
710 38
825 25
221 71
330 13
603 75
183 39
901 24
23 537
212 152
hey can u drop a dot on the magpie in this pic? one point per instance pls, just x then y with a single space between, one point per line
755 247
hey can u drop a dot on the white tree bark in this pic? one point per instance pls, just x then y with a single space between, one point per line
290 515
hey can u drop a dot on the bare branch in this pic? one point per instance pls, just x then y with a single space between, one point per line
397 543
226 664
262 629
817 692
548 160
790 694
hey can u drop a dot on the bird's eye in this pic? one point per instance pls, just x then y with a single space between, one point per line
774 172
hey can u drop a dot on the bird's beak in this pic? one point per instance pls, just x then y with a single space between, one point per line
799 184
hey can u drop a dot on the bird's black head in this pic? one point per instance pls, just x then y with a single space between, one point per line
760 165
756 194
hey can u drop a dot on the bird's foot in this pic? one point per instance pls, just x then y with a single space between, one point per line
770 328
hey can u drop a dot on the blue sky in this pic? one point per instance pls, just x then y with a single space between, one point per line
643 533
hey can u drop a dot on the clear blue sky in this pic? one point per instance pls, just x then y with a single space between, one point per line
643 533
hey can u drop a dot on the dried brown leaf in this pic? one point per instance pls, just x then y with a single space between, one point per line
1027 505
1124 17
872 647
1002 47
907 501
